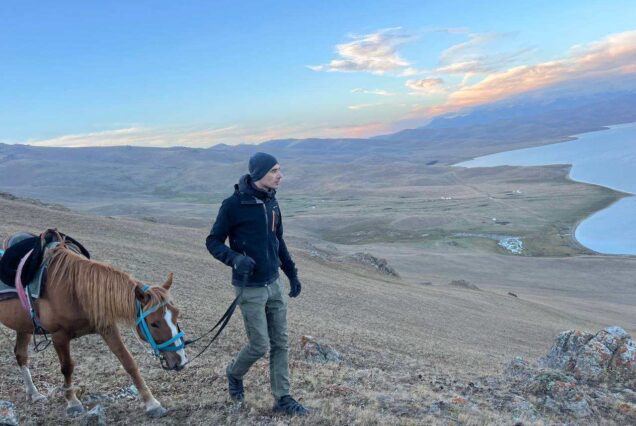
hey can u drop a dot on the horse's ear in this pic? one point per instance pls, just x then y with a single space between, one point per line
141 295
50 235
168 282
58 237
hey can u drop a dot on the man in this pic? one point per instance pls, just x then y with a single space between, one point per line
251 219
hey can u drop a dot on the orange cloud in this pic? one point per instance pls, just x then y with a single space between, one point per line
613 55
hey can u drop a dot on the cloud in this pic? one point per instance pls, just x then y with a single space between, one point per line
409 72
484 63
466 48
375 53
363 106
378 92
426 86
469 58
612 55
356 130
204 138
139 136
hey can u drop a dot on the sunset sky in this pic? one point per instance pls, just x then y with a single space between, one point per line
199 73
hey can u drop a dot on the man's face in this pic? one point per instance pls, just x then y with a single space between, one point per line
272 179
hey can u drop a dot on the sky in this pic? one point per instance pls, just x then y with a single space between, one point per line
200 73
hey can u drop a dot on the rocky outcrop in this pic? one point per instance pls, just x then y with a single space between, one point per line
378 263
332 254
607 356
35 202
313 351
583 375
463 284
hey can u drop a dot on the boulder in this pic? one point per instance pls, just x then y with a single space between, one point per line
317 352
7 413
607 356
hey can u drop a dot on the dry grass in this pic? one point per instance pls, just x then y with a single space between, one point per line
405 347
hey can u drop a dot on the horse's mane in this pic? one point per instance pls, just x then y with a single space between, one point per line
106 294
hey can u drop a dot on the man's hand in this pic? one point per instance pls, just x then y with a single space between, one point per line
244 265
295 285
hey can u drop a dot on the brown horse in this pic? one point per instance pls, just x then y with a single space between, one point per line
82 297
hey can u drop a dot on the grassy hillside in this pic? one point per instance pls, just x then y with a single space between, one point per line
403 345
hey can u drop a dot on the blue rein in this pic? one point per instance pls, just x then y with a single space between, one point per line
167 346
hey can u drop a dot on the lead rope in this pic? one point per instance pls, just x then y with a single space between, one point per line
223 322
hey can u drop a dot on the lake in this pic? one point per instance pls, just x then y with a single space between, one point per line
606 158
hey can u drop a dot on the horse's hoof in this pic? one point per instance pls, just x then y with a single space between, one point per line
157 412
37 397
74 410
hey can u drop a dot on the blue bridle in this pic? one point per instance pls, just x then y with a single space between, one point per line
167 346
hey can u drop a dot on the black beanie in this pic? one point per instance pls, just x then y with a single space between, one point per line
260 164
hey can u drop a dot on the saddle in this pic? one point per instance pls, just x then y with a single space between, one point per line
19 245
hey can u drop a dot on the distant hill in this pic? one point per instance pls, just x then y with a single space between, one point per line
519 122
126 176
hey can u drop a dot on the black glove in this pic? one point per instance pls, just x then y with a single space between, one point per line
294 283
244 265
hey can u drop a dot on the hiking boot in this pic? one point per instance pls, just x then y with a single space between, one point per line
288 405
234 386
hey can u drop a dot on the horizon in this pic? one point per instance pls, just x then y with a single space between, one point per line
199 75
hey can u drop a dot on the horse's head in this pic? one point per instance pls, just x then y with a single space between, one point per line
157 324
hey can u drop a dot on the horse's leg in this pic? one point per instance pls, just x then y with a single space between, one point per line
116 345
61 342
22 357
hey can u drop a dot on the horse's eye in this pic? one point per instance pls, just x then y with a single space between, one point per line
155 324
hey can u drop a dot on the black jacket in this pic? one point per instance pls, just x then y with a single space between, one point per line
251 219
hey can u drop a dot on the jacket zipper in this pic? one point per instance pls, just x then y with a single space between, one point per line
266 232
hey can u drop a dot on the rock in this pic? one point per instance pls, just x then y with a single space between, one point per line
627 409
316 352
463 284
94 417
583 375
559 392
519 368
438 407
629 395
7 413
129 393
521 409
380 264
567 345
607 356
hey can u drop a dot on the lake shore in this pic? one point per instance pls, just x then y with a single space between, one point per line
590 163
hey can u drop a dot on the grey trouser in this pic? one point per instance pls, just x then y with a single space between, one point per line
264 312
